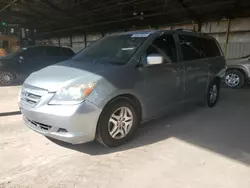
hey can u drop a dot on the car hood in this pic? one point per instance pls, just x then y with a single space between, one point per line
54 77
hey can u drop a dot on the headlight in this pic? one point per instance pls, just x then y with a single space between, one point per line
73 94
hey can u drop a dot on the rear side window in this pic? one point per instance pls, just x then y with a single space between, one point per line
191 48
210 47
67 52
52 51
32 52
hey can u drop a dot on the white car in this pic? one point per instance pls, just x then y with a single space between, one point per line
238 72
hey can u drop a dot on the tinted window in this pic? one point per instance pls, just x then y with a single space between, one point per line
67 52
32 52
191 48
52 51
165 46
210 47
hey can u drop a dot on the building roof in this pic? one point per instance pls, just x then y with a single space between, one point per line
55 17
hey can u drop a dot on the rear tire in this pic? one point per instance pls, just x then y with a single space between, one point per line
234 79
118 123
6 78
213 94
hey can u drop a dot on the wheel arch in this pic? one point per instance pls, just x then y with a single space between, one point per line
241 69
129 97
217 80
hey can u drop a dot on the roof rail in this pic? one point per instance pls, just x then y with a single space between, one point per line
189 30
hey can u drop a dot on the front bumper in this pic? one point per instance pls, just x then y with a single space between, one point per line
74 124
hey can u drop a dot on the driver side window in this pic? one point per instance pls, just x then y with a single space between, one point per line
164 46
32 52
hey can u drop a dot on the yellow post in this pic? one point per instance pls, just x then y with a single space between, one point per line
227 36
197 26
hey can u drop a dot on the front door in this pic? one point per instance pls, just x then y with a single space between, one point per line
164 82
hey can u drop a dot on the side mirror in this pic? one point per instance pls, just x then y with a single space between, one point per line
155 59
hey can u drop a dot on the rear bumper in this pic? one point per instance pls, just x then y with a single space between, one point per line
74 124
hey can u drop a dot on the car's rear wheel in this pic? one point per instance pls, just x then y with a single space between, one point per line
234 79
213 94
6 78
117 123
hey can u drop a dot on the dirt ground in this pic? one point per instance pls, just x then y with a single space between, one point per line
194 148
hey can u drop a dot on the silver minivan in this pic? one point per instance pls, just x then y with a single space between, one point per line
106 90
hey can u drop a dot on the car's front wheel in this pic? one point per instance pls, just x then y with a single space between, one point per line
6 78
117 123
234 79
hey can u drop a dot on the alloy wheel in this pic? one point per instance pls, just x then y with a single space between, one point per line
213 93
232 80
120 123
6 78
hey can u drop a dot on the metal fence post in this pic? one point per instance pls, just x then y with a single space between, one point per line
227 36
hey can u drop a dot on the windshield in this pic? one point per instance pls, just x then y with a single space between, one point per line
113 49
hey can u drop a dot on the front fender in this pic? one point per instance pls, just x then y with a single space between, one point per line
244 68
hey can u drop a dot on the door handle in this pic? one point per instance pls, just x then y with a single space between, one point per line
177 70
172 69
192 68
189 69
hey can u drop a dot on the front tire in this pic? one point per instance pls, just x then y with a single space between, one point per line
234 79
118 123
213 94
6 78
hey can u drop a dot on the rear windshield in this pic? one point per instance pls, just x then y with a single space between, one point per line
59 51
113 49
211 49
67 52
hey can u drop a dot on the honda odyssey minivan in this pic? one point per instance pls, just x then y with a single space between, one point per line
106 90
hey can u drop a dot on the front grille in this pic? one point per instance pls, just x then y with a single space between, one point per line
31 95
30 98
40 125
